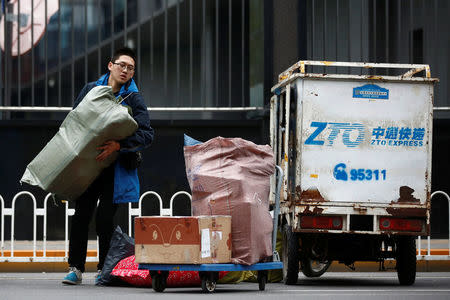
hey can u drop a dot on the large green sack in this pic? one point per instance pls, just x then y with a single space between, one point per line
67 166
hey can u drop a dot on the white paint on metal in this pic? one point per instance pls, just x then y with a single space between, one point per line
273 138
298 139
68 212
13 217
44 214
285 152
346 120
169 212
280 135
433 257
138 212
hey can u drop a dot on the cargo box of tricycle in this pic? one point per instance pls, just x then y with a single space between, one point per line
355 149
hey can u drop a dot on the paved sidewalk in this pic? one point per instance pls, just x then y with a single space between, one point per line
57 249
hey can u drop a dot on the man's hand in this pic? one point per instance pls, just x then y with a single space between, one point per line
108 148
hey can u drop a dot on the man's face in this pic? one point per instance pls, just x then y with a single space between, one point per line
122 69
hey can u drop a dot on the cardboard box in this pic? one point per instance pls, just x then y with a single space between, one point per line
183 240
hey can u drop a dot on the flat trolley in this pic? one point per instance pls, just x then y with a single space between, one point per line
209 273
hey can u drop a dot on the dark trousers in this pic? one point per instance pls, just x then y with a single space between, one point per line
101 189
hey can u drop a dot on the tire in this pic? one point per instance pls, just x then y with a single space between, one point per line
406 260
159 283
208 286
290 256
262 279
314 268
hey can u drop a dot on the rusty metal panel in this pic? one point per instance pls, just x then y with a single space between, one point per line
365 142
298 137
396 210
273 141
285 153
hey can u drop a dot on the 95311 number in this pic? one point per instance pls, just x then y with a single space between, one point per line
367 174
340 172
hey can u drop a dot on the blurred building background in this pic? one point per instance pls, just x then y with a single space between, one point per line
204 67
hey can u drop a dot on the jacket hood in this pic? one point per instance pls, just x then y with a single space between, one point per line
129 87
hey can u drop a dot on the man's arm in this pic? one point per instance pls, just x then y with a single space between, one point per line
143 136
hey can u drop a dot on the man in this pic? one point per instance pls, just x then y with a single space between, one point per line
108 188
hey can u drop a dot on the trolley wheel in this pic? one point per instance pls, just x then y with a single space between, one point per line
159 281
262 279
208 286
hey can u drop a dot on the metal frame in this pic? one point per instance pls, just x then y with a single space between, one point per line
68 212
299 70
162 11
428 256
301 66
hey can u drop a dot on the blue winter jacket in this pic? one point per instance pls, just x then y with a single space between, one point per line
126 182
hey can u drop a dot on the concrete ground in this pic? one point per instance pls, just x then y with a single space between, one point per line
57 249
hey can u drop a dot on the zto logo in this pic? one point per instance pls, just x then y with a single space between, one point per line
339 172
335 129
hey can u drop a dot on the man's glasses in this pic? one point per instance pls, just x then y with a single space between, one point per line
125 66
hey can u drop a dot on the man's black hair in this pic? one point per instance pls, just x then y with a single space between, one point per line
123 51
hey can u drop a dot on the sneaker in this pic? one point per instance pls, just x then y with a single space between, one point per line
73 277
97 278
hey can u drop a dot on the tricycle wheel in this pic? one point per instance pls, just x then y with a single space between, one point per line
406 260
290 255
208 286
314 268
262 279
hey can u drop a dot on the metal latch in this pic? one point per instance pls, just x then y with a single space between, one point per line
359 208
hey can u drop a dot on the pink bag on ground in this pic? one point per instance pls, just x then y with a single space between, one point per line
231 176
